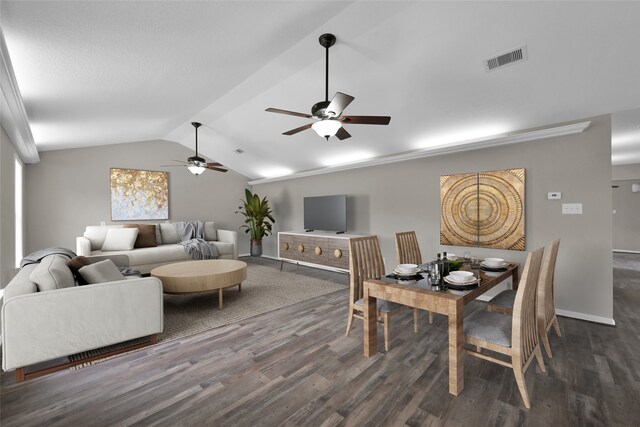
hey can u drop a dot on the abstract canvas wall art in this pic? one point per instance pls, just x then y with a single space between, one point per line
139 194
483 209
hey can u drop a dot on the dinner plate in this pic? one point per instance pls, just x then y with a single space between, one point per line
496 269
397 276
397 273
461 285
450 279
503 265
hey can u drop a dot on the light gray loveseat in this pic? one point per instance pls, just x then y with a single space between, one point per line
40 326
167 251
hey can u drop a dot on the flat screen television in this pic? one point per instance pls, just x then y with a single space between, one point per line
326 213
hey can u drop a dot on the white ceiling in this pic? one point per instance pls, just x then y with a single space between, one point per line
94 73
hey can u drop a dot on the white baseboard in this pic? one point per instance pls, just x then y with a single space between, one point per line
627 251
588 317
243 255
572 314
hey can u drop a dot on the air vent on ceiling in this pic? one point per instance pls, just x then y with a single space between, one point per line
239 151
513 56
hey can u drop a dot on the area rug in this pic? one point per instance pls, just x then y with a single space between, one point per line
265 289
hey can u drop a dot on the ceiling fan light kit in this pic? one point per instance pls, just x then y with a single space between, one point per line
326 128
196 164
328 114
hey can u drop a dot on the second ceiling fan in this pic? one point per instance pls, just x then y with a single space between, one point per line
328 116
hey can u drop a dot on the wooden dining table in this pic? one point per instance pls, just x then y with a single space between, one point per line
420 295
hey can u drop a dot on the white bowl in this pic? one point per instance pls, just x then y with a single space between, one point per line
407 268
493 262
461 276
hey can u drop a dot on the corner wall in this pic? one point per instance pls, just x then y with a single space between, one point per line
69 189
405 196
7 209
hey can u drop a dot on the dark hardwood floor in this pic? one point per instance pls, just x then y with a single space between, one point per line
294 366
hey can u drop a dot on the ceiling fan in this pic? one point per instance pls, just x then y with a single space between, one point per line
328 116
197 164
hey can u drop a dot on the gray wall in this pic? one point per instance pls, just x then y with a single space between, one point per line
405 196
625 172
7 209
69 189
626 220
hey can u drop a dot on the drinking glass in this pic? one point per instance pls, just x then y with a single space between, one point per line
475 266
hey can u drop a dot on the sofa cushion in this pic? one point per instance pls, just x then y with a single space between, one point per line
76 264
100 272
224 248
120 239
159 254
21 284
169 233
146 235
97 233
52 273
210 233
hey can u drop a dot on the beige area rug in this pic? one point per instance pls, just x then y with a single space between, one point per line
266 289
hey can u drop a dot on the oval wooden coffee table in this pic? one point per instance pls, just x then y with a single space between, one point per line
201 276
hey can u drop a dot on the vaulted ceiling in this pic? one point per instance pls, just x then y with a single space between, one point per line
94 73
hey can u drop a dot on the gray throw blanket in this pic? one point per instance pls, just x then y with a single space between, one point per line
37 256
191 235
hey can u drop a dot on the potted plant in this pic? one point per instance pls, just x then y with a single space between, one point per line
258 219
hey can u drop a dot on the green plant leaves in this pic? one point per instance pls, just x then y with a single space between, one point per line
258 215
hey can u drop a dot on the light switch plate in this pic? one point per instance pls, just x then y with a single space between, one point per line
572 208
555 195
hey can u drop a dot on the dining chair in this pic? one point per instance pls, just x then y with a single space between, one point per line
546 308
365 262
515 336
408 252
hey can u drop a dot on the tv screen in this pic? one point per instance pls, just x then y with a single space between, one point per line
327 213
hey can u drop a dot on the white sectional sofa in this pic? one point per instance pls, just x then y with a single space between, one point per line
167 251
45 325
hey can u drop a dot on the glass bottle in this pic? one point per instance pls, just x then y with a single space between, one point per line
445 265
439 267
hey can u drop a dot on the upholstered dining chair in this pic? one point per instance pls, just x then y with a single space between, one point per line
365 262
408 252
546 308
515 336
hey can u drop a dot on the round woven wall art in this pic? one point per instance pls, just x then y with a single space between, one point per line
485 209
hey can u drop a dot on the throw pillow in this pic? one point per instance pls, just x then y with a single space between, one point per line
146 235
169 233
120 239
52 273
210 233
76 264
100 272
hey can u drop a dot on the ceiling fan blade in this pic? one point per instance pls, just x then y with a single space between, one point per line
296 130
213 168
179 161
366 120
290 113
172 166
214 164
343 134
338 103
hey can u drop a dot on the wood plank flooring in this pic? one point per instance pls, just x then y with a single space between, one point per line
294 367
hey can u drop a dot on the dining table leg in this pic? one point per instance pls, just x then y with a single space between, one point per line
370 325
456 347
514 278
